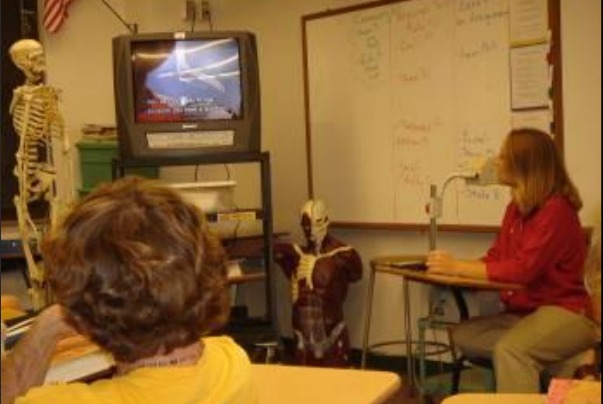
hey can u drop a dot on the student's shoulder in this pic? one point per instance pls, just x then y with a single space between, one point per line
219 341
225 345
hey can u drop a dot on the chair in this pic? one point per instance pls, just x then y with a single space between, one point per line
591 370
426 348
459 364
583 371
431 322
489 377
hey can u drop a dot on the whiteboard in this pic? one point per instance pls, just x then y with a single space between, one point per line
399 96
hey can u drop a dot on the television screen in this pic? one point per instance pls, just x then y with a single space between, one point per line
187 80
186 94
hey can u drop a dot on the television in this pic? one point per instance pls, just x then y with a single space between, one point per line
186 94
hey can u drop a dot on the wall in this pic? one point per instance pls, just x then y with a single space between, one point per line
581 27
79 62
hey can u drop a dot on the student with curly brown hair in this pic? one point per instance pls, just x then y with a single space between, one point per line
134 268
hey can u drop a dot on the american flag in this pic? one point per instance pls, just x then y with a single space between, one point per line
55 12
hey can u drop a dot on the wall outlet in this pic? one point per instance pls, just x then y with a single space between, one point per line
203 10
188 10
199 10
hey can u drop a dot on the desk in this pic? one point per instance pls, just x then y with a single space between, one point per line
384 265
566 391
279 384
496 399
11 307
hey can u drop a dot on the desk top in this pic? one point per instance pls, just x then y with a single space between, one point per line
384 264
279 384
560 391
496 399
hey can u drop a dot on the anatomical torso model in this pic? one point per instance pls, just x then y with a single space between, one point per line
319 273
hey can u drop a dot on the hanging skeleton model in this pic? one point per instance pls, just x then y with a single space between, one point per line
37 121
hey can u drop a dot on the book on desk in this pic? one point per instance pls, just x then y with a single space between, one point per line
77 359
413 265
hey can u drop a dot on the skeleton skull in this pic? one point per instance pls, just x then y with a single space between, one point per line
315 222
28 56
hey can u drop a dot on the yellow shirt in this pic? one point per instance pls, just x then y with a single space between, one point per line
222 376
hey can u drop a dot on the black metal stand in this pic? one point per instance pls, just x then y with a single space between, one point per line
119 165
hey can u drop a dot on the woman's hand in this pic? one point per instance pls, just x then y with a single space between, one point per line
442 262
52 322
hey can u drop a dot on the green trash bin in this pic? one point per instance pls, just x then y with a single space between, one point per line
95 164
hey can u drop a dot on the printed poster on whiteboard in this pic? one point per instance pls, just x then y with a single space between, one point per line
530 77
528 21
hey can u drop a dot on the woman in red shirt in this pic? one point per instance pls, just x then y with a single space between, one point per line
541 246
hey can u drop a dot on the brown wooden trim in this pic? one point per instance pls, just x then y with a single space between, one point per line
556 63
421 227
349 9
446 228
307 110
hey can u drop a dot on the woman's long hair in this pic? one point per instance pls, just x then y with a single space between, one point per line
537 169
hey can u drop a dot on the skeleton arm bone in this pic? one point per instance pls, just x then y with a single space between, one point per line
17 95
55 119
57 130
